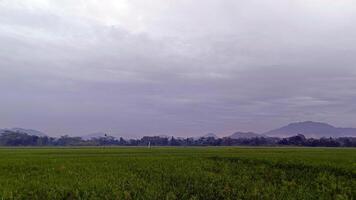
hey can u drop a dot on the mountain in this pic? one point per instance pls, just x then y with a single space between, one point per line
244 135
95 135
164 136
312 129
26 131
212 135
209 135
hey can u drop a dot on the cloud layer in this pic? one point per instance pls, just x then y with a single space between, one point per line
135 68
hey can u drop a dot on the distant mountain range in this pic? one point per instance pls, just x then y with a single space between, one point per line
95 135
209 135
309 129
312 130
245 135
26 131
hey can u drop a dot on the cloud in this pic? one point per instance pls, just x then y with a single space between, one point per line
175 67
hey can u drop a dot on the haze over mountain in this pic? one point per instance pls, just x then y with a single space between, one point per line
26 131
96 135
208 135
312 129
245 135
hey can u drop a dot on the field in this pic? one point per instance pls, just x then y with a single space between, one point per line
177 173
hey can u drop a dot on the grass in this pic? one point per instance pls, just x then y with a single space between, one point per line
177 173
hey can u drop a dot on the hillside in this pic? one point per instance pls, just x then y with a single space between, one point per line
244 135
312 129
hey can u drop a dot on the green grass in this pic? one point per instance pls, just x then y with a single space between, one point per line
177 173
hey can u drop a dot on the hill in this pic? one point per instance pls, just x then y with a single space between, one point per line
245 135
210 135
26 131
312 129
95 136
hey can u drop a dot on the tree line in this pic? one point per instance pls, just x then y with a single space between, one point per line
11 138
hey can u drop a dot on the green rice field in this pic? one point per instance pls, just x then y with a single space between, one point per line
177 173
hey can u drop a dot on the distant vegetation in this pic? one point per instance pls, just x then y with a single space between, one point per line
13 138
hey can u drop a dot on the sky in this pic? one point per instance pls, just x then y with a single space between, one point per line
175 67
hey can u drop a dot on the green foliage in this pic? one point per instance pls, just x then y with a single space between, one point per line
177 173
11 138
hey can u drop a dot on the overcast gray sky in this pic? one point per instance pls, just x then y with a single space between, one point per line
176 67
